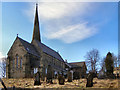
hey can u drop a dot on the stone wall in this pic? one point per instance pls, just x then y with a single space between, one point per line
29 62
16 51
81 71
49 60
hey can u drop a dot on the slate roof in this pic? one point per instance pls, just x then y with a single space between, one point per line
50 51
67 65
77 64
31 49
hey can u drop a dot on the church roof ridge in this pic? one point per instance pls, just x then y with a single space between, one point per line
23 39
48 47
76 62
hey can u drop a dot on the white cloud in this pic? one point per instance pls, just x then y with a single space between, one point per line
60 10
55 10
64 21
1 56
73 33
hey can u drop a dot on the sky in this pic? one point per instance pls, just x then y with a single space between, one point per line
71 28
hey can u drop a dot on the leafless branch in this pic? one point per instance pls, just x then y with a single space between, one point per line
92 58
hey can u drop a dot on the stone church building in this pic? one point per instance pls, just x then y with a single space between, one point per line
24 58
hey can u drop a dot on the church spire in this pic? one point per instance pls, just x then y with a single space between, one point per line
36 31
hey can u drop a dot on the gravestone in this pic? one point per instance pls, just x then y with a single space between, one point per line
89 80
56 76
61 79
49 74
76 75
70 76
37 79
118 75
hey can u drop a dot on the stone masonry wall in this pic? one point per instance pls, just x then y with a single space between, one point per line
17 50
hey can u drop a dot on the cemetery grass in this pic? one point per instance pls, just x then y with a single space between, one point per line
81 83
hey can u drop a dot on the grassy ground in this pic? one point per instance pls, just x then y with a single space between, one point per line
29 83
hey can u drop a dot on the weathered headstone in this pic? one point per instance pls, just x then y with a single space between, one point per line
55 74
118 75
49 74
61 79
37 79
76 75
70 76
89 80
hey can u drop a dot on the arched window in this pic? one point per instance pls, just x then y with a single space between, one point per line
16 61
21 63
46 70
35 70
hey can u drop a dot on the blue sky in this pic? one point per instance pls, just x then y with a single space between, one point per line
71 28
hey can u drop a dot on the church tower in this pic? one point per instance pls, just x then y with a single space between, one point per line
36 30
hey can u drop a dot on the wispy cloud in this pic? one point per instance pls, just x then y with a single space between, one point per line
55 10
1 56
73 33
60 10
65 21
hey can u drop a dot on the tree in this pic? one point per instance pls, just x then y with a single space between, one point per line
103 64
115 60
3 66
92 59
119 58
109 63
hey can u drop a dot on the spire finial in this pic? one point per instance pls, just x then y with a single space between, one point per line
36 4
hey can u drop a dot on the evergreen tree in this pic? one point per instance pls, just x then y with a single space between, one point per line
109 64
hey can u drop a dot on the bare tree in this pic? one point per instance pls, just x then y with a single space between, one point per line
115 60
103 64
3 66
92 58
118 58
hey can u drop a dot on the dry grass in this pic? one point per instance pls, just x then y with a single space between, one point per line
29 83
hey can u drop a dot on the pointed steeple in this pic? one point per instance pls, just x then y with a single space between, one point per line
36 30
